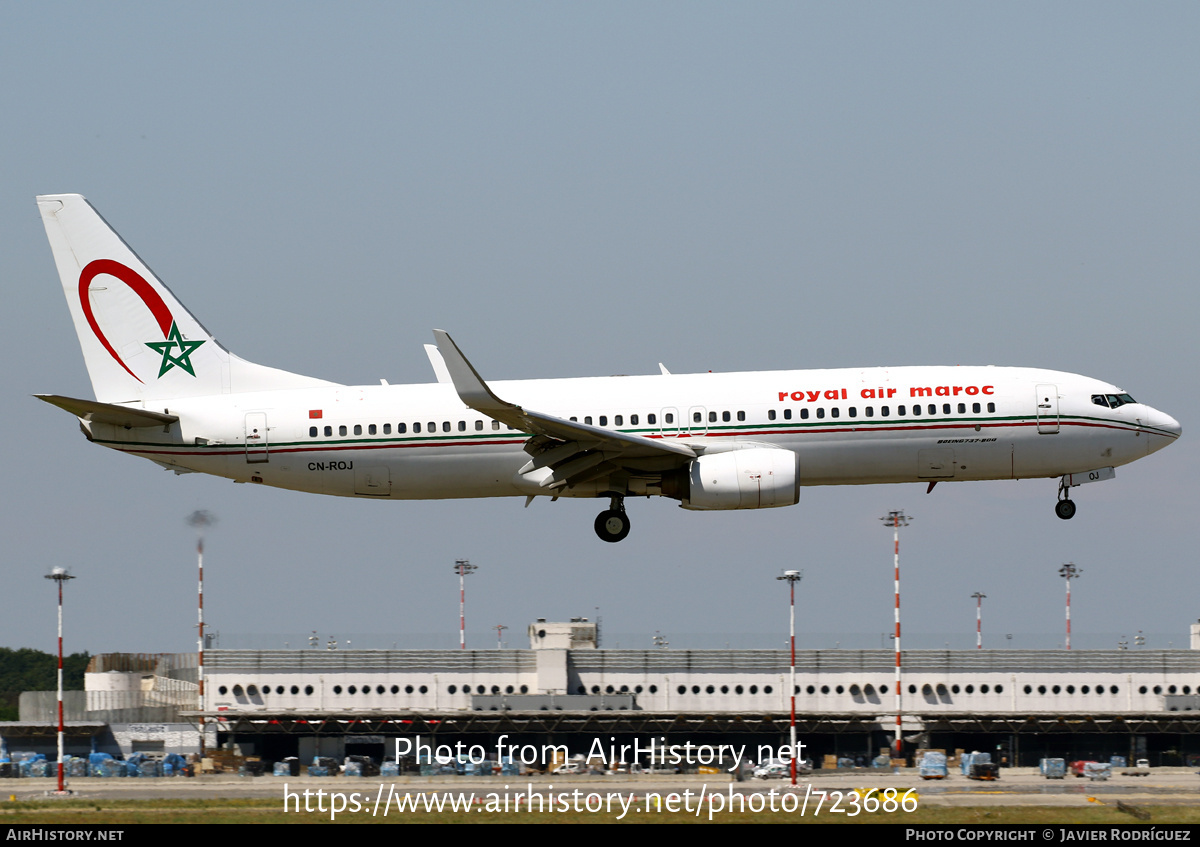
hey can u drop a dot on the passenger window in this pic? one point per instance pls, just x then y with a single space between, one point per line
933 409
371 429
884 411
431 427
312 432
962 408
604 420
618 420
870 411
820 413
387 429
991 407
574 418
770 416
651 418
699 418
945 408
803 414
633 420
899 411
975 408
401 428
328 430
358 429
669 417
342 429
712 417
417 426
852 411
479 426
495 424
587 419
725 416
462 426
741 416
445 426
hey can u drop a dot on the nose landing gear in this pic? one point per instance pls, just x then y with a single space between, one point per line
612 524
1065 507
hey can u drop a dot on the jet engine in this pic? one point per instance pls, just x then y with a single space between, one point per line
751 478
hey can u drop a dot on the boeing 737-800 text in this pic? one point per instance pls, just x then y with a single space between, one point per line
167 391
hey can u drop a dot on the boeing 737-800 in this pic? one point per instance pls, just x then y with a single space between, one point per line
167 391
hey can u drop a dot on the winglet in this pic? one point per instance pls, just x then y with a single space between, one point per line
438 363
471 388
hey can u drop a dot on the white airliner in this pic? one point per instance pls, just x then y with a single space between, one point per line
168 391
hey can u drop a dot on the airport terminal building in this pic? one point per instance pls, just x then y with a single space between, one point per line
1024 704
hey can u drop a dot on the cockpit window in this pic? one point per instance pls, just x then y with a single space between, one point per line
1099 400
1112 401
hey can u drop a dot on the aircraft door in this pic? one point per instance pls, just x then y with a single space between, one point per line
697 420
256 438
1047 409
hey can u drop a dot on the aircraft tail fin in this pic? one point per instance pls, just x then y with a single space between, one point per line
138 340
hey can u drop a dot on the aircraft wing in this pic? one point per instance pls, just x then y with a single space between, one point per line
576 452
109 413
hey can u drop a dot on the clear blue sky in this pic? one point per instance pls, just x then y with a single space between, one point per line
582 189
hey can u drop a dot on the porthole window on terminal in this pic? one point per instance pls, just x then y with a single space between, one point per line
222 690
637 689
608 689
999 689
970 689
408 689
737 689
1142 690
252 691
1086 690
479 689
1170 689
695 689
1070 689
812 689
1112 689
653 689
824 689
508 689
767 689
753 689
524 689
912 689
353 689
953 689
1028 689
295 689
1056 689
1041 689
379 689
710 690
681 689
596 689
424 689
395 689
840 690
1157 689
453 689
308 689
337 689
724 689
279 689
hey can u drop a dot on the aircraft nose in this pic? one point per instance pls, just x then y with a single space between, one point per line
1165 429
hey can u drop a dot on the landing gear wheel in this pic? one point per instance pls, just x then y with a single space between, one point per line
612 525
1065 509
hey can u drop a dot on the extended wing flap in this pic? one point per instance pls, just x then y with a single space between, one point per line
108 413
474 392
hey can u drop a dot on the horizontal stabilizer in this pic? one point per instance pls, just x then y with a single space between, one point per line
108 413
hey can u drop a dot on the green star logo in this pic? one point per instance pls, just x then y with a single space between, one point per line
174 340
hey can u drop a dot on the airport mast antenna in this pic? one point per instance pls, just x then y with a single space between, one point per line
792 577
499 635
463 568
895 520
60 575
1069 572
979 598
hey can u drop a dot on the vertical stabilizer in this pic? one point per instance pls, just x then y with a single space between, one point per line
138 340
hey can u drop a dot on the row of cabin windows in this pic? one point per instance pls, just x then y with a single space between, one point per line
917 410
885 411
402 428
255 691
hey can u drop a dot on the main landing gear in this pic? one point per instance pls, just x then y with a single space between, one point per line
1065 507
612 524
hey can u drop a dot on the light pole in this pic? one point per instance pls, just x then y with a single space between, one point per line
1069 572
463 568
895 520
792 577
199 520
979 619
60 575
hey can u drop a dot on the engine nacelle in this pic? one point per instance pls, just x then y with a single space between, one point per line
754 478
